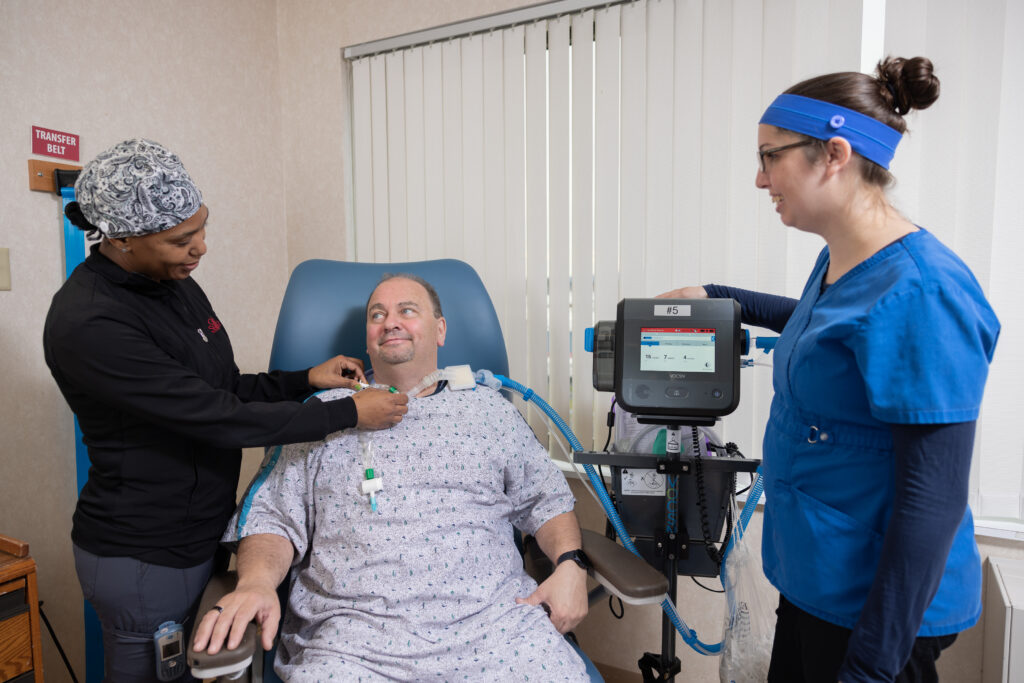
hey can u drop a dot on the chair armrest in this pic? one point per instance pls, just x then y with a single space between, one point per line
623 573
226 662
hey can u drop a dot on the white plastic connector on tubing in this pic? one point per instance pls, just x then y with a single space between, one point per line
487 378
372 485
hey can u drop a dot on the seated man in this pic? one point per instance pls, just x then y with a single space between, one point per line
425 582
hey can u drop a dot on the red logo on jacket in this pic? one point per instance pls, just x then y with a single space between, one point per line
213 326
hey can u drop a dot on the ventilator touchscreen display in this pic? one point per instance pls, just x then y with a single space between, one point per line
677 349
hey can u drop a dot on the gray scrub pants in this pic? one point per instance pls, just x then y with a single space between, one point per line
132 598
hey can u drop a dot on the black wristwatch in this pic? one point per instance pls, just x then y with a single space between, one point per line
577 556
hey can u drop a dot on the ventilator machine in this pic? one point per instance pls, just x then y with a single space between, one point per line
673 365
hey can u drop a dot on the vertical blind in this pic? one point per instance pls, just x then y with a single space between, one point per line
609 153
960 176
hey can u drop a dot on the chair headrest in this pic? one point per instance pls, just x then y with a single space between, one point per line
324 313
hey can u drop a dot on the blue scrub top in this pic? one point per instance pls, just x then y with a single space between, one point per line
905 337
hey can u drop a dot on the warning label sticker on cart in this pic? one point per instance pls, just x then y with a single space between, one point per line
640 482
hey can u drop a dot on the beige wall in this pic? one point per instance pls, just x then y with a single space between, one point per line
252 94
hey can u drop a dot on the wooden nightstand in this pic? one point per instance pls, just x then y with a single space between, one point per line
21 652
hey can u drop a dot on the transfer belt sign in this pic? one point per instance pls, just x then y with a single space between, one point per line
53 143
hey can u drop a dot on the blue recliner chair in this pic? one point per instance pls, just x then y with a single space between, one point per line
323 314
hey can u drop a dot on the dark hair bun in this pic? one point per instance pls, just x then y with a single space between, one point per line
908 83
73 211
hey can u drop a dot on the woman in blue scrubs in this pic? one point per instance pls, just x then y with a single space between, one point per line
878 375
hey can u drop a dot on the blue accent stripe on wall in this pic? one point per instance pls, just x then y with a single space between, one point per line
74 239
74 253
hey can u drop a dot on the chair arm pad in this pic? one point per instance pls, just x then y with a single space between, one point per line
629 576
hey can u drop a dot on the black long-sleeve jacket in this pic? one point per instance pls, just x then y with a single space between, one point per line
148 369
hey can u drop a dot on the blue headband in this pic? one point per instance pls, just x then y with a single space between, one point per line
868 137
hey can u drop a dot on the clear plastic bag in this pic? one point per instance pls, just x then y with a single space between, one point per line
749 615
633 437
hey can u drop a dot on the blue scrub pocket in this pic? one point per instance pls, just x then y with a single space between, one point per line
836 562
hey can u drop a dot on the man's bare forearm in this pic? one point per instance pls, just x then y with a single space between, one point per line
263 560
558 535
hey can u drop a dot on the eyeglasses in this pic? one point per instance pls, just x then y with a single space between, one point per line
770 153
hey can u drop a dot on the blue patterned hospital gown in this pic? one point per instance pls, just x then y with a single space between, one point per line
423 589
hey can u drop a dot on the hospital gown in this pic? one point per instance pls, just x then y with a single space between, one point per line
425 587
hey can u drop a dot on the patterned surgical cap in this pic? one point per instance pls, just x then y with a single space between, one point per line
137 187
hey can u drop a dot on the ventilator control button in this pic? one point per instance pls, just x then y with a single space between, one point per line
677 392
